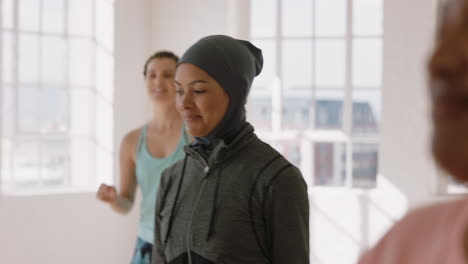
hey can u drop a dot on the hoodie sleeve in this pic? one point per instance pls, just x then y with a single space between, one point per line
287 218
158 249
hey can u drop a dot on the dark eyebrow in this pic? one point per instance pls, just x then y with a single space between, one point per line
193 82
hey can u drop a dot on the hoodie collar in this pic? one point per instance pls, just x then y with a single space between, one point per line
222 151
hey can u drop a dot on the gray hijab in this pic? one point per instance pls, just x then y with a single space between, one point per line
233 63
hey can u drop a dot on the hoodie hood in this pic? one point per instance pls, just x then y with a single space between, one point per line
233 63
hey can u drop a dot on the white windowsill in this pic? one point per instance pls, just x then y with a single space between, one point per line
47 191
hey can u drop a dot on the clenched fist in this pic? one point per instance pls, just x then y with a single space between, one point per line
107 193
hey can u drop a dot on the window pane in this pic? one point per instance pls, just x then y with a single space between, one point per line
54 162
52 16
7 13
259 109
329 164
28 64
82 112
83 157
329 109
81 62
367 17
7 56
365 165
80 17
104 123
263 18
105 24
366 112
297 18
27 163
267 76
53 59
7 111
290 149
28 106
330 63
28 17
54 110
104 74
104 166
367 62
330 17
297 109
297 64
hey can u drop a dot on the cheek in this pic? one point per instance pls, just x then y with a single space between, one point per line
212 110
148 83
450 148
178 101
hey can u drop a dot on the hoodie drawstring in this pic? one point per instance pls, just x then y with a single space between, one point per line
214 206
181 180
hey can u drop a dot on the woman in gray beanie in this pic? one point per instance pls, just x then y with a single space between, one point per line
233 198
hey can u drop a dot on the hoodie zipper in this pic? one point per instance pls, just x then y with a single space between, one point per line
206 170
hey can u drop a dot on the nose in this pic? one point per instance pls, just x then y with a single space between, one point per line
448 62
158 81
185 100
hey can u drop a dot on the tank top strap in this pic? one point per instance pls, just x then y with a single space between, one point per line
142 138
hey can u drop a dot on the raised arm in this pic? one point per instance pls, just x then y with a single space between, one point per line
122 201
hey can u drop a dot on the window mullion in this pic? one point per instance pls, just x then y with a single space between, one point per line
40 87
348 102
277 89
313 73
14 89
1 101
94 90
67 87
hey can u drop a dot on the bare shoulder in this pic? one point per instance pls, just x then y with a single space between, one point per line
440 211
419 234
130 140
430 221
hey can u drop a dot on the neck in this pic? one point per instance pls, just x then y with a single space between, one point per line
165 117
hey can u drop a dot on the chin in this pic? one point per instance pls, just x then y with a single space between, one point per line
451 154
161 99
195 130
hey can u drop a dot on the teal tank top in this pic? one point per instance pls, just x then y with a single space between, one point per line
148 173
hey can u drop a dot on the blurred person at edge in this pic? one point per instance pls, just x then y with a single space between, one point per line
438 233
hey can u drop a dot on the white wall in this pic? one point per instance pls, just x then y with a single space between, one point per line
405 152
72 228
177 24
76 228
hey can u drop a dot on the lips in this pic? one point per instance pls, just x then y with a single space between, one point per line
157 91
191 117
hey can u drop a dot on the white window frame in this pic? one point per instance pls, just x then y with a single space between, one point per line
311 135
67 86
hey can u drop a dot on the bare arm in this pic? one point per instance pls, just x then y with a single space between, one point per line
123 201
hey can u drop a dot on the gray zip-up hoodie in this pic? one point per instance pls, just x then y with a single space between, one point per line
245 204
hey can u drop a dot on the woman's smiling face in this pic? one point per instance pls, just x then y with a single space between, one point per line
200 100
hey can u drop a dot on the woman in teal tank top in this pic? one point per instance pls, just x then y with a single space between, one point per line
147 151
